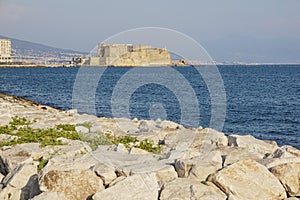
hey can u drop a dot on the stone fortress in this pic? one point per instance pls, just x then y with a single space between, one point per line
130 55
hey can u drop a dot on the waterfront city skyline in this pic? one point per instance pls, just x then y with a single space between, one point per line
231 31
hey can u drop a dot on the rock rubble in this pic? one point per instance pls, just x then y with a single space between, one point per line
192 163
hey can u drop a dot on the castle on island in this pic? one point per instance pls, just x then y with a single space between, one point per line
130 55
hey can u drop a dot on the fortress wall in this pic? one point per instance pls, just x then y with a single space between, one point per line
129 55
144 58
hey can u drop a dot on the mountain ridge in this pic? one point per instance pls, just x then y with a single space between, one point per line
23 50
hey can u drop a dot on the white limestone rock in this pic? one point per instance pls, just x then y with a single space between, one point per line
8 138
199 167
143 126
252 144
96 129
116 180
24 177
20 176
11 193
186 189
50 196
120 148
289 176
134 150
204 166
272 162
136 187
248 179
74 184
232 155
169 125
11 157
82 129
105 172
285 151
165 175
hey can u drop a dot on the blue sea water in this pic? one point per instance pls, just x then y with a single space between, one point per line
263 101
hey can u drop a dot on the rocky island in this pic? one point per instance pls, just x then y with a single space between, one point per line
52 154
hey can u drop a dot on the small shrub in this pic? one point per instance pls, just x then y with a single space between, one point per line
126 140
100 139
45 137
66 127
42 163
19 121
87 125
149 146
204 182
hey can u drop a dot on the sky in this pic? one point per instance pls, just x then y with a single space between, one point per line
231 30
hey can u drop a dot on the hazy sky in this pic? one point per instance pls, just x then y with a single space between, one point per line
225 28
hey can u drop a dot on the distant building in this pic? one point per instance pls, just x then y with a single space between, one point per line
5 51
130 55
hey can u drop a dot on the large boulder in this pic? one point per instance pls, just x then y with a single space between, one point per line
50 196
232 155
134 150
285 151
163 171
203 166
252 144
165 175
189 143
74 184
248 179
199 167
105 172
186 189
11 193
24 178
289 176
138 186
11 157
272 162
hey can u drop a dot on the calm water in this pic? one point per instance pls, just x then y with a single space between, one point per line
261 100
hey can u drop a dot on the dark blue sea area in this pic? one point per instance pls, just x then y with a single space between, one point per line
263 101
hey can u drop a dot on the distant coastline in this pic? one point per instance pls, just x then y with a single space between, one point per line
217 64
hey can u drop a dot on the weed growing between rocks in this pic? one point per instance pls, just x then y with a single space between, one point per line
96 140
21 132
128 141
42 163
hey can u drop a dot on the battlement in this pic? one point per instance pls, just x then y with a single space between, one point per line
130 55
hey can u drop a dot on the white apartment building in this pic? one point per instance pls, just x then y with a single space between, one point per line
5 51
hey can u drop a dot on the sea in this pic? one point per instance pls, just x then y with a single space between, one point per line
261 100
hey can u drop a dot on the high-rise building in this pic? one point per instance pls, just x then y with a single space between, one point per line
5 51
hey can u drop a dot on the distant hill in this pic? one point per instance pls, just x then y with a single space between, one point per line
24 50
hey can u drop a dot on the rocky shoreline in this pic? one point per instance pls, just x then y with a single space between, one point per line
81 156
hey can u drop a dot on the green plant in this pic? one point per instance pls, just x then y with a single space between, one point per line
46 137
19 121
100 139
126 140
204 182
6 130
149 146
42 163
87 125
66 127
